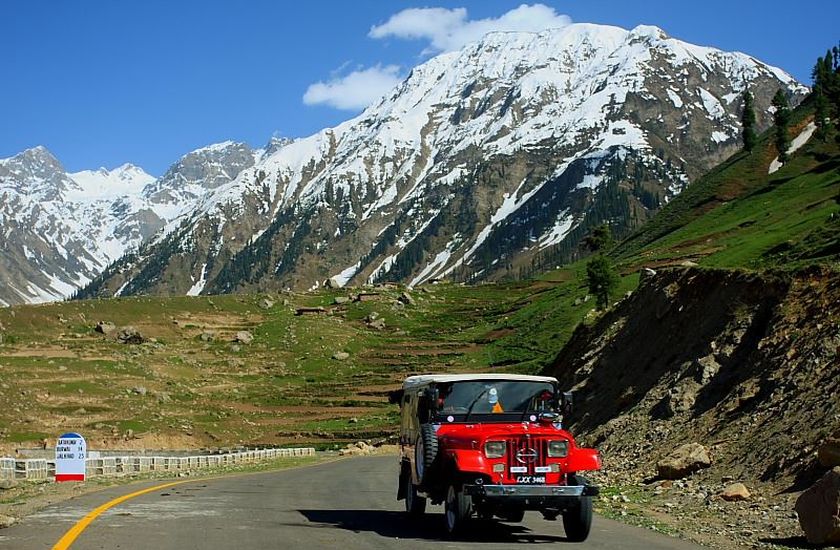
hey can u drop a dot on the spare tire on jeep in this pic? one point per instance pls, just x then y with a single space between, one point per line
425 453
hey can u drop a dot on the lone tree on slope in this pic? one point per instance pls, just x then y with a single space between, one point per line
781 119
826 90
602 279
748 122
599 239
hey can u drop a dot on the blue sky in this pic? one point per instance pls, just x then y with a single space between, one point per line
101 83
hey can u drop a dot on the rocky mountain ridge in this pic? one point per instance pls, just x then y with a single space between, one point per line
63 229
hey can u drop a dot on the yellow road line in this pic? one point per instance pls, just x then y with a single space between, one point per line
70 536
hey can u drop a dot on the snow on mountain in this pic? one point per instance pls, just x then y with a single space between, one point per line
103 184
63 229
489 161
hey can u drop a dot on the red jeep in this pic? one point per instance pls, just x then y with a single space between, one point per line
492 445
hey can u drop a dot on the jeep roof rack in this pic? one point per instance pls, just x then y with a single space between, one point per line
425 379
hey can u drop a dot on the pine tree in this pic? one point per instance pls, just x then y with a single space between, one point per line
781 119
748 122
602 279
599 239
832 84
823 76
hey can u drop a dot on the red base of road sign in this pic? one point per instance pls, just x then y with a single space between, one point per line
69 477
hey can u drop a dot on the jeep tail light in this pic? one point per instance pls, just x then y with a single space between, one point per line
495 449
558 448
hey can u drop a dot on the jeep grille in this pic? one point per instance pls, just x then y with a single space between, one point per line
527 451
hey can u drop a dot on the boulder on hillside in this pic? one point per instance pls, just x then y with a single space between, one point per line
341 356
244 337
406 298
829 452
333 282
684 461
105 327
265 303
645 274
207 336
339 300
681 398
377 324
705 368
819 509
130 335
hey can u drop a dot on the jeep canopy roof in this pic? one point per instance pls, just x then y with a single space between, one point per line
426 379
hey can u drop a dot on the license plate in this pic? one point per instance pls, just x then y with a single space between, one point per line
530 480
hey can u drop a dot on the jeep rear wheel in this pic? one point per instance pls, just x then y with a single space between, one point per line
425 453
577 521
415 505
458 509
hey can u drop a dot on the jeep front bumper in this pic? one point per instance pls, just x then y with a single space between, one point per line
535 492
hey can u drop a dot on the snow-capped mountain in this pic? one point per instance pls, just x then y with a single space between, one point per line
490 161
108 184
60 230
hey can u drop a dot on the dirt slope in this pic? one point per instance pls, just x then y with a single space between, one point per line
745 364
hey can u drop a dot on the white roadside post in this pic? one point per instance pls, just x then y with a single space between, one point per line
70 454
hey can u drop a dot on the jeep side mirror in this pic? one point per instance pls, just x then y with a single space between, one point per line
567 404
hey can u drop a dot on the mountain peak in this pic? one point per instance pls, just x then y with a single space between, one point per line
36 172
649 31
37 153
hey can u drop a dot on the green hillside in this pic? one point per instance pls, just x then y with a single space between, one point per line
739 216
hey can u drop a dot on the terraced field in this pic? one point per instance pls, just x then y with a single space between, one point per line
194 384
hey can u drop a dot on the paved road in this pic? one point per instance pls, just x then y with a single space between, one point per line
346 504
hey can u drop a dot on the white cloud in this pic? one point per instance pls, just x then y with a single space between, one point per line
356 90
448 30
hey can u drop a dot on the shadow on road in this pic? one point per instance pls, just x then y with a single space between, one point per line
790 542
428 527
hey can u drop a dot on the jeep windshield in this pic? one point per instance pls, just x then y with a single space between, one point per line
493 400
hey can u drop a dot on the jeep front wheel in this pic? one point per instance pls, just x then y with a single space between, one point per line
458 509
577 521
425 453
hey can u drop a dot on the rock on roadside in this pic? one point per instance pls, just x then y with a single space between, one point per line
357 449
735 492
819 509
684 461
6 484
6 521
829 452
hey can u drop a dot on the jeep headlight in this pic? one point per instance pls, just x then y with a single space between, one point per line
558 448
495 449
